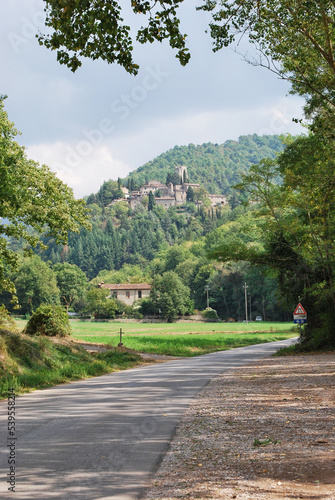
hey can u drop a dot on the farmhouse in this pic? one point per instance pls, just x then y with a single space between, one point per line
128 292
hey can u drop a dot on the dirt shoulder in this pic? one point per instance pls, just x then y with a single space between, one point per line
288 405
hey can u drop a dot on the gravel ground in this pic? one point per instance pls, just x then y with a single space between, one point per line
263 431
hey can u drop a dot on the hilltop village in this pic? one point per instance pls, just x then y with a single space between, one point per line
167 195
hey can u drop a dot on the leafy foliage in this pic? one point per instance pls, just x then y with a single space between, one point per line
210 314
295 40
72 283
35 284
6 321
170 297
295 225
99 305
49 320
96 29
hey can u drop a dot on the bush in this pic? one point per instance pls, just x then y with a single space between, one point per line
210 314
49 320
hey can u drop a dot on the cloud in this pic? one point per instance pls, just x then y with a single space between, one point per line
84 174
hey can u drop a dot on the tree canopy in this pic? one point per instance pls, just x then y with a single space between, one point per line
71 282
35 284
96 29
295 37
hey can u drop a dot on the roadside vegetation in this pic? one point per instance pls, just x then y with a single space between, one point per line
29 362
36 361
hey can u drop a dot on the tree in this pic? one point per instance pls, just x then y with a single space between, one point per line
71 281
170 296
296 220
295 39
151 202
109 191
190 194
95 29
200 194
35 284
33 201
127 274
49 320
173 177
99 304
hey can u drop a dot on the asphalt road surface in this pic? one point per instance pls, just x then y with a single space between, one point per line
104 438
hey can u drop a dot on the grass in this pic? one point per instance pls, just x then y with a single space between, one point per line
181 339
28 363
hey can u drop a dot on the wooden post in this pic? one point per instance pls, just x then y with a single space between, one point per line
120 343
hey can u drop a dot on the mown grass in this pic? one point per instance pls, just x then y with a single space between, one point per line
181 339
28 363
187 345
84 328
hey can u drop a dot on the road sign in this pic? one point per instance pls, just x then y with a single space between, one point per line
299 310
299 315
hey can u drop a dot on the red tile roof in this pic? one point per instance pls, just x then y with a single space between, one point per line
125 286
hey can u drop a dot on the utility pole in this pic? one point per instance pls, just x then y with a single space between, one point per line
246 302
207 289
249 306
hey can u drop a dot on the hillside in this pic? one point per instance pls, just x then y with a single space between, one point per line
136 243
216 166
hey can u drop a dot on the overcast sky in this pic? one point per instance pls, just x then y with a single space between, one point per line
101 123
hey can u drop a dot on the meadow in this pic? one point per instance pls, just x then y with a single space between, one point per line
181 339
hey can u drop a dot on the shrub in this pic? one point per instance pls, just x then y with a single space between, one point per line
49 320
210 314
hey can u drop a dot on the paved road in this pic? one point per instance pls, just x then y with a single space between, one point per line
103 438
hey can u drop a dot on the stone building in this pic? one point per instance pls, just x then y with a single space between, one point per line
152 186
165 201
128 292
218 199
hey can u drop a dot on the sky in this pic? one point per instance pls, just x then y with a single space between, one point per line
101 123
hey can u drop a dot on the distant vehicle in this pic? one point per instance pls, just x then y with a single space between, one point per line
259 318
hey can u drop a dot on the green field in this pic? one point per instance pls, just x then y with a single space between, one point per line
180 339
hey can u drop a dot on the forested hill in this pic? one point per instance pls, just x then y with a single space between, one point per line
216 166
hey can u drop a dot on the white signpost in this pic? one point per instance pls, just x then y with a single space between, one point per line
300 316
